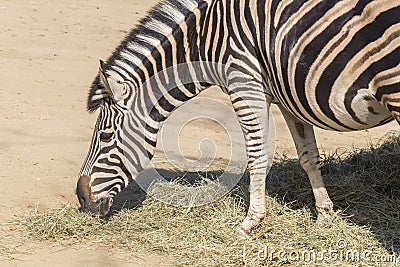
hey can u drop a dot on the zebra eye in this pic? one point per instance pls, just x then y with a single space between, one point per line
106 137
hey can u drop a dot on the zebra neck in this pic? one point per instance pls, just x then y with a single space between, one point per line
162 95
157 59
166 37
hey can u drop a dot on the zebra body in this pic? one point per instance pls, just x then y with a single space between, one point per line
331 64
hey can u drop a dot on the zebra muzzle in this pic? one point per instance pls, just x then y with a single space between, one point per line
100 207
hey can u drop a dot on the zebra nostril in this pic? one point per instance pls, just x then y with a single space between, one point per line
82 202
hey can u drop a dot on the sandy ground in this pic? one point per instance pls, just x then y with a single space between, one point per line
49 54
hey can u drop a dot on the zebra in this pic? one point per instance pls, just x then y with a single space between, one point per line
329 64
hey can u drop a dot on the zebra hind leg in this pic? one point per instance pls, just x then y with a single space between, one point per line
307 151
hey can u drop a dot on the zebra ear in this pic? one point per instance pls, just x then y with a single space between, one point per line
116 88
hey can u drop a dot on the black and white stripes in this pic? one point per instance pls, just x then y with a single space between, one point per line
332 64
327 55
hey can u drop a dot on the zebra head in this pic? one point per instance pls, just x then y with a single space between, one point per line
104 172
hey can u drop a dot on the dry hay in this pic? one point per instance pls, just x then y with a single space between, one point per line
364 185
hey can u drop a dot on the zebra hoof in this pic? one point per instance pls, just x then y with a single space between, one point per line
242 234
325 212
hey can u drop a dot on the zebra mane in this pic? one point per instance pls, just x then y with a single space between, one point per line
145 34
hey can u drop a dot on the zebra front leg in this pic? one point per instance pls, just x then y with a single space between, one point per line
252 110
307 151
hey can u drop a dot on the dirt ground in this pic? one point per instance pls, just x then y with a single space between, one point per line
49 54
